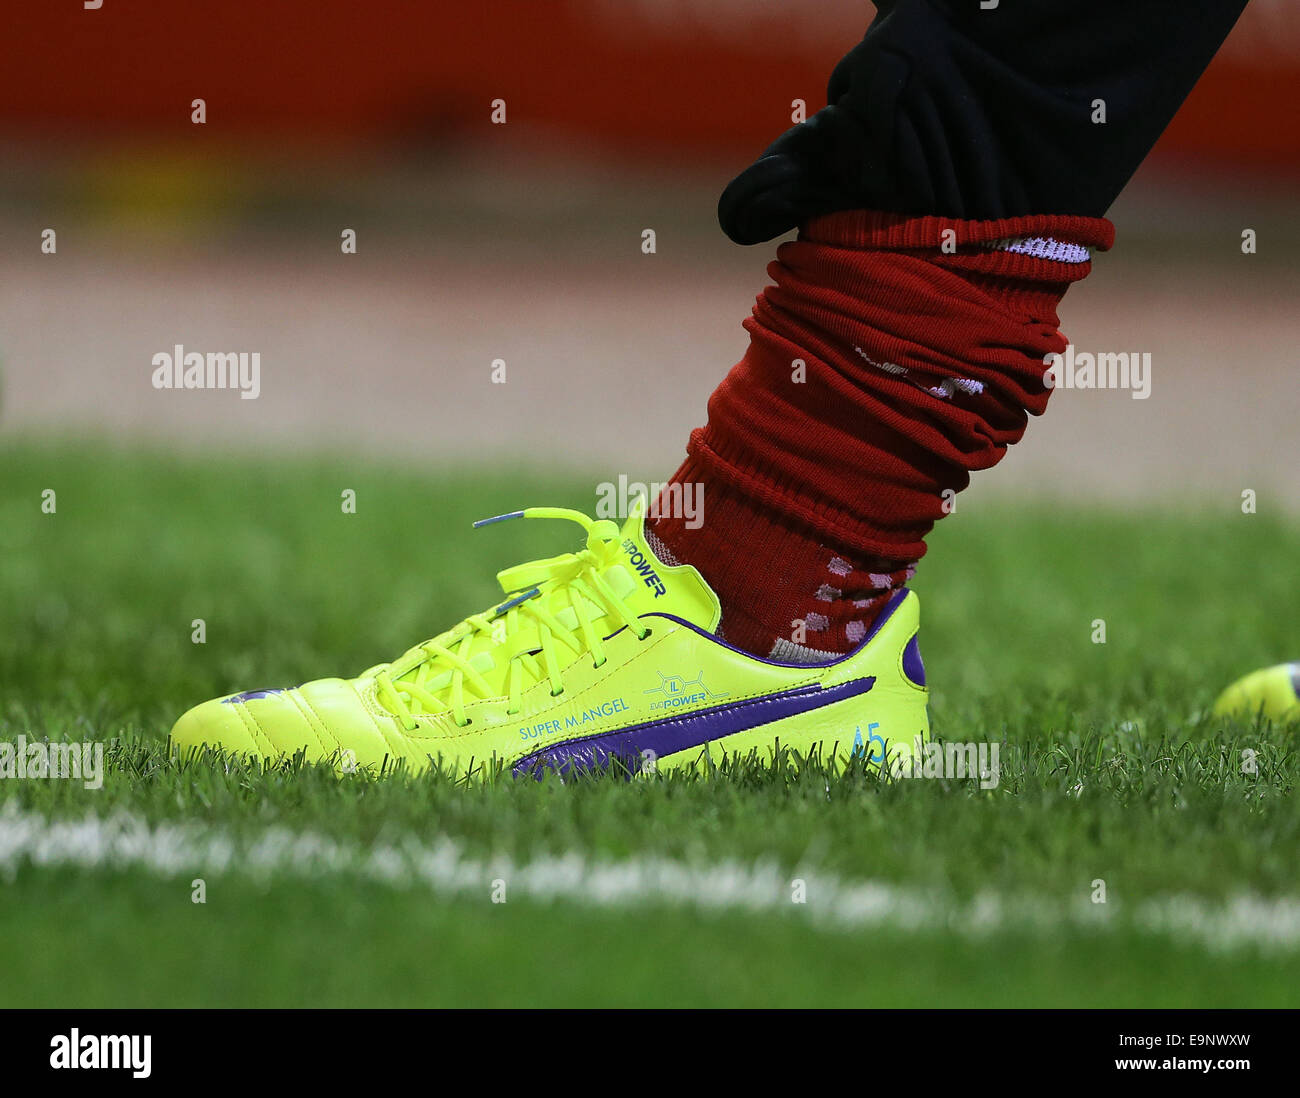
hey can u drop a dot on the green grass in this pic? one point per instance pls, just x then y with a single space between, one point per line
1110 769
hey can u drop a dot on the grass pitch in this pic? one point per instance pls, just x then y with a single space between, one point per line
679 890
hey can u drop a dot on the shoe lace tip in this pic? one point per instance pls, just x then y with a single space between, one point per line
498 518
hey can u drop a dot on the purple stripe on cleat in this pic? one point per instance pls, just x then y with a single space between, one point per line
913 668
672 734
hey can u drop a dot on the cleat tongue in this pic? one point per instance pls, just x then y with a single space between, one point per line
659 588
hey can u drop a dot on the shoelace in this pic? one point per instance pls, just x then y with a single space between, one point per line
404 685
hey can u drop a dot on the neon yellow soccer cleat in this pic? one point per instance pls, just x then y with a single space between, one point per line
1272 693
604 656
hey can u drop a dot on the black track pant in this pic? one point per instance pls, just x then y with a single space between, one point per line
949 108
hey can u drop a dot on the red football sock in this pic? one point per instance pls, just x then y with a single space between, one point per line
893 356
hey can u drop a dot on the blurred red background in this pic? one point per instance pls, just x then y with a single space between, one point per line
681 78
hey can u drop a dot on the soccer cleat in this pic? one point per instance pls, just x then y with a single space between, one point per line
1272 693
603 657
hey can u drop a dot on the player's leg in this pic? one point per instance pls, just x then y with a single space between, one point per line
947 198
917 363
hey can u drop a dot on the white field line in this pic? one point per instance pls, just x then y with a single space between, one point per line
188 850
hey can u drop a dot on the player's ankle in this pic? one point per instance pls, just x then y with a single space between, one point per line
785 593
